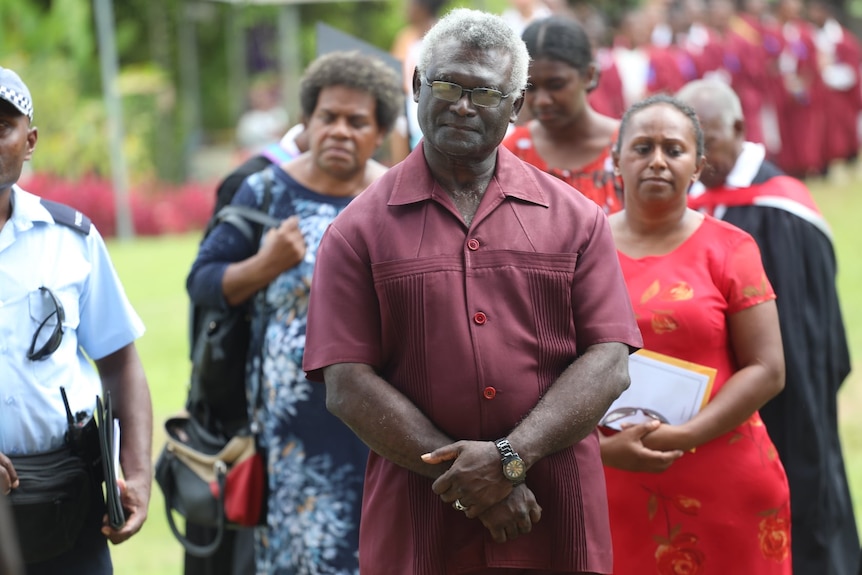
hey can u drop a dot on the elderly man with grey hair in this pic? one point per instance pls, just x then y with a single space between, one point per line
742 187
470 321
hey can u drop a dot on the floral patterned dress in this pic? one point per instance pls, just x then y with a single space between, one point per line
725 507
316 463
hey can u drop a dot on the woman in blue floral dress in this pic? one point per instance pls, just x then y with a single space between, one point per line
316 464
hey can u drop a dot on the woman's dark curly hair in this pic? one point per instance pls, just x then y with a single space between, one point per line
360 72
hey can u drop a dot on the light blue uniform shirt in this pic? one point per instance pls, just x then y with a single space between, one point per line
34 252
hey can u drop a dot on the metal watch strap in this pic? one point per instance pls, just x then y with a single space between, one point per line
505 448
513 466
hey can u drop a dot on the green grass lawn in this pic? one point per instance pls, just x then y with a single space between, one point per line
154 270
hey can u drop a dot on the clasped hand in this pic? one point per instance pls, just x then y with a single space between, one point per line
643 447
476 480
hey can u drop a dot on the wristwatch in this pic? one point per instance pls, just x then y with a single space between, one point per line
513 466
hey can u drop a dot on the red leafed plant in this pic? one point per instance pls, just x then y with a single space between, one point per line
157 208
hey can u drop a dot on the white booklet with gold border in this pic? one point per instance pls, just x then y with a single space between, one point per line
664 388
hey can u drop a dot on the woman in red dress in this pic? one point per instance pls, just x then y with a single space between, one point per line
709 496
566 137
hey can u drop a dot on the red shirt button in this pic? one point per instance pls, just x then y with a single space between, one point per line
480 318
489 392
473 244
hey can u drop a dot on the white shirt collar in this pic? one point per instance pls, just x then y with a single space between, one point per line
744 170
747 165
27 208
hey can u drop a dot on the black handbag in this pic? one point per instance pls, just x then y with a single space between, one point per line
211 469
51 503
211 480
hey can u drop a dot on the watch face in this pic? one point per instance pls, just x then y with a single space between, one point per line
514 469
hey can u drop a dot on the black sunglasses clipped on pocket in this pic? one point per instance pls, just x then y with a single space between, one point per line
53 341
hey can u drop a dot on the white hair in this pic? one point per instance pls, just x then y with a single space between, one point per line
716 93
480 30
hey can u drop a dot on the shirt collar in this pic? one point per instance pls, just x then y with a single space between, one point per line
26 209
747 165
415 183
744 170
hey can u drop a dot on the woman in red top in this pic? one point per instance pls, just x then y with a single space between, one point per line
709 496
566 137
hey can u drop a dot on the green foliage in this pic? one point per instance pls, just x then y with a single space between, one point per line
73 131
374 22
54 51
36 31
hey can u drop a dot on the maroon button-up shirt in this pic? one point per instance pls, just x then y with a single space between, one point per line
445 312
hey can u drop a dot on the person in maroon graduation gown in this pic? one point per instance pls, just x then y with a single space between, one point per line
745 60
702 41
635 68
840 58
741 187
799 96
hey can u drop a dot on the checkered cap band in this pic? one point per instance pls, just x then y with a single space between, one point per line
17 99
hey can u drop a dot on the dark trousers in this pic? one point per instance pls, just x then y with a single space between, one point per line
89 556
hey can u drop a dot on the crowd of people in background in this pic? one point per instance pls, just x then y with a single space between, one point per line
795 68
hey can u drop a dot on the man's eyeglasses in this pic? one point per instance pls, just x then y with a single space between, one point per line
53 341
481 97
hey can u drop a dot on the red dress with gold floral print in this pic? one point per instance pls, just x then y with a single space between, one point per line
724 508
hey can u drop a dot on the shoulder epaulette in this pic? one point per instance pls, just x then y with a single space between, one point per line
67 216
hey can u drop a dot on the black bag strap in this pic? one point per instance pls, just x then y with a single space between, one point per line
242 217
196 549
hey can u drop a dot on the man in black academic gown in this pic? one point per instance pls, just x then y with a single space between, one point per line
739 186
